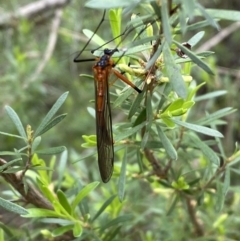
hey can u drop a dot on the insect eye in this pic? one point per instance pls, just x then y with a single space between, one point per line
110 51
107 51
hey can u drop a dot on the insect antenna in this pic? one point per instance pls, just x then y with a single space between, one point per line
76 60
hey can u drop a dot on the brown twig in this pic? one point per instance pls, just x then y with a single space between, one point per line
50 47
30 11
155 164
197 224
219 37
217 173
31 194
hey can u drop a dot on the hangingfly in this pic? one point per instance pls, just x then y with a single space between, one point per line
102 70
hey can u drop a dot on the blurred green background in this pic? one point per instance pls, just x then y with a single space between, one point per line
37 67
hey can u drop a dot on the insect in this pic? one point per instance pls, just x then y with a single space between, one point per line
102 70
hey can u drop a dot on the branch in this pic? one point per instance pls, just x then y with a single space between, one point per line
31 195
219 37
30 11
50 47
192 214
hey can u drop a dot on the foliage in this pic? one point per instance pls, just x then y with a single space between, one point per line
171 162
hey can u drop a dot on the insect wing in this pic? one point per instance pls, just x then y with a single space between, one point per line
103 123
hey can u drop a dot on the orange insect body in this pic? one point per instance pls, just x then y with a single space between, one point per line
102 70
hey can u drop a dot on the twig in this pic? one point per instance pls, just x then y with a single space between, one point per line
217 173
155 164
32 195
30 11
169 165
227 71
192 214
50 47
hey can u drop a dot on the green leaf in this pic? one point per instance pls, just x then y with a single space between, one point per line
77 229
197 26
90 141
145 139
51 151
189 7
208 17
135 105
216 115
103 207
11 153
210 95
115 22
63 201
59 221
168 122
122 178
129 132
137 44
192 92
13 169
62 166
173 205
206 150
149 119
198 128
36 143
176 104
220 197
154 58
9 232
170 150
37 168
16 120
226 182
180 184
224 14
116 221
95 39
4 166
11 135
149 110
46 191
182 21
165 21
173 72
50 114
52 123
122 97
40 166
141 118
194 58
12 207
196 38
113 233
61 230
83 193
